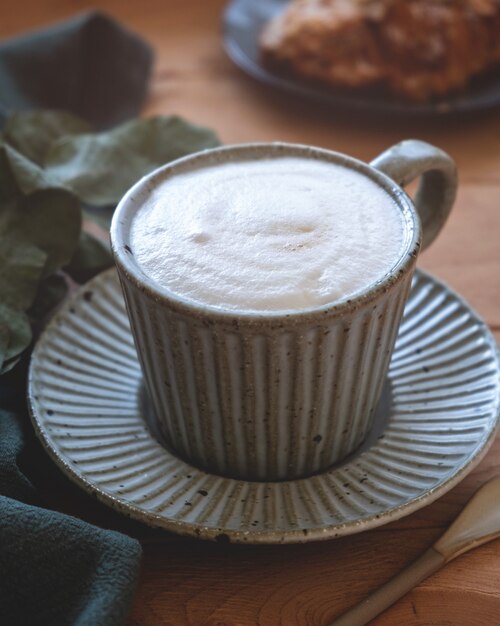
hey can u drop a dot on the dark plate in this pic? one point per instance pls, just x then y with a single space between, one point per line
243 22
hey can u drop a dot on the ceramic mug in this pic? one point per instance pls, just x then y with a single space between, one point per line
277 396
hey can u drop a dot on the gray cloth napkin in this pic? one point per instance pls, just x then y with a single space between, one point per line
89 65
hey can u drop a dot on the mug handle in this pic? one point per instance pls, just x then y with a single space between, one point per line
438 185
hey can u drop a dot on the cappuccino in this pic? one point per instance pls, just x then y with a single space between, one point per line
271 234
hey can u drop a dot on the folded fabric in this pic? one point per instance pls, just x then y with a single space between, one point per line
89 65
56 570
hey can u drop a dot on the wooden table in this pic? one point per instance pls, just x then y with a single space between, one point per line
192 582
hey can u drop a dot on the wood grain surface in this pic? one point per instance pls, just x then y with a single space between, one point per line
187 582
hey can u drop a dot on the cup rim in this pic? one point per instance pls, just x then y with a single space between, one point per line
131 201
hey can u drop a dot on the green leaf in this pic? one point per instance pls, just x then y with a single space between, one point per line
21 266
15 333
38 234
28 176
91 257
4 342
51 220
9 189
32 132
101 168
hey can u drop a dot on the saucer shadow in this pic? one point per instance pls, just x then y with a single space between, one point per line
380 420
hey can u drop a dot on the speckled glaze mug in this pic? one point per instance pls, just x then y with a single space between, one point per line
277 396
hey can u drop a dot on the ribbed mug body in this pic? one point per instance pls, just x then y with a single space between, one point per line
261 400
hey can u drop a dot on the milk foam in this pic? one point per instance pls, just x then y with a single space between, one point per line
267 235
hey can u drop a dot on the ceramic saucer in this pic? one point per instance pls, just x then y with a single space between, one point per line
438 416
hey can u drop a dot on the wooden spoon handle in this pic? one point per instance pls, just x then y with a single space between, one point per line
428 563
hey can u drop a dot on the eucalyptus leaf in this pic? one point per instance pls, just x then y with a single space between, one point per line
101 168
38 234
32 132
9 189
21 267
14 325
92 256
28 175
51 220
4 343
